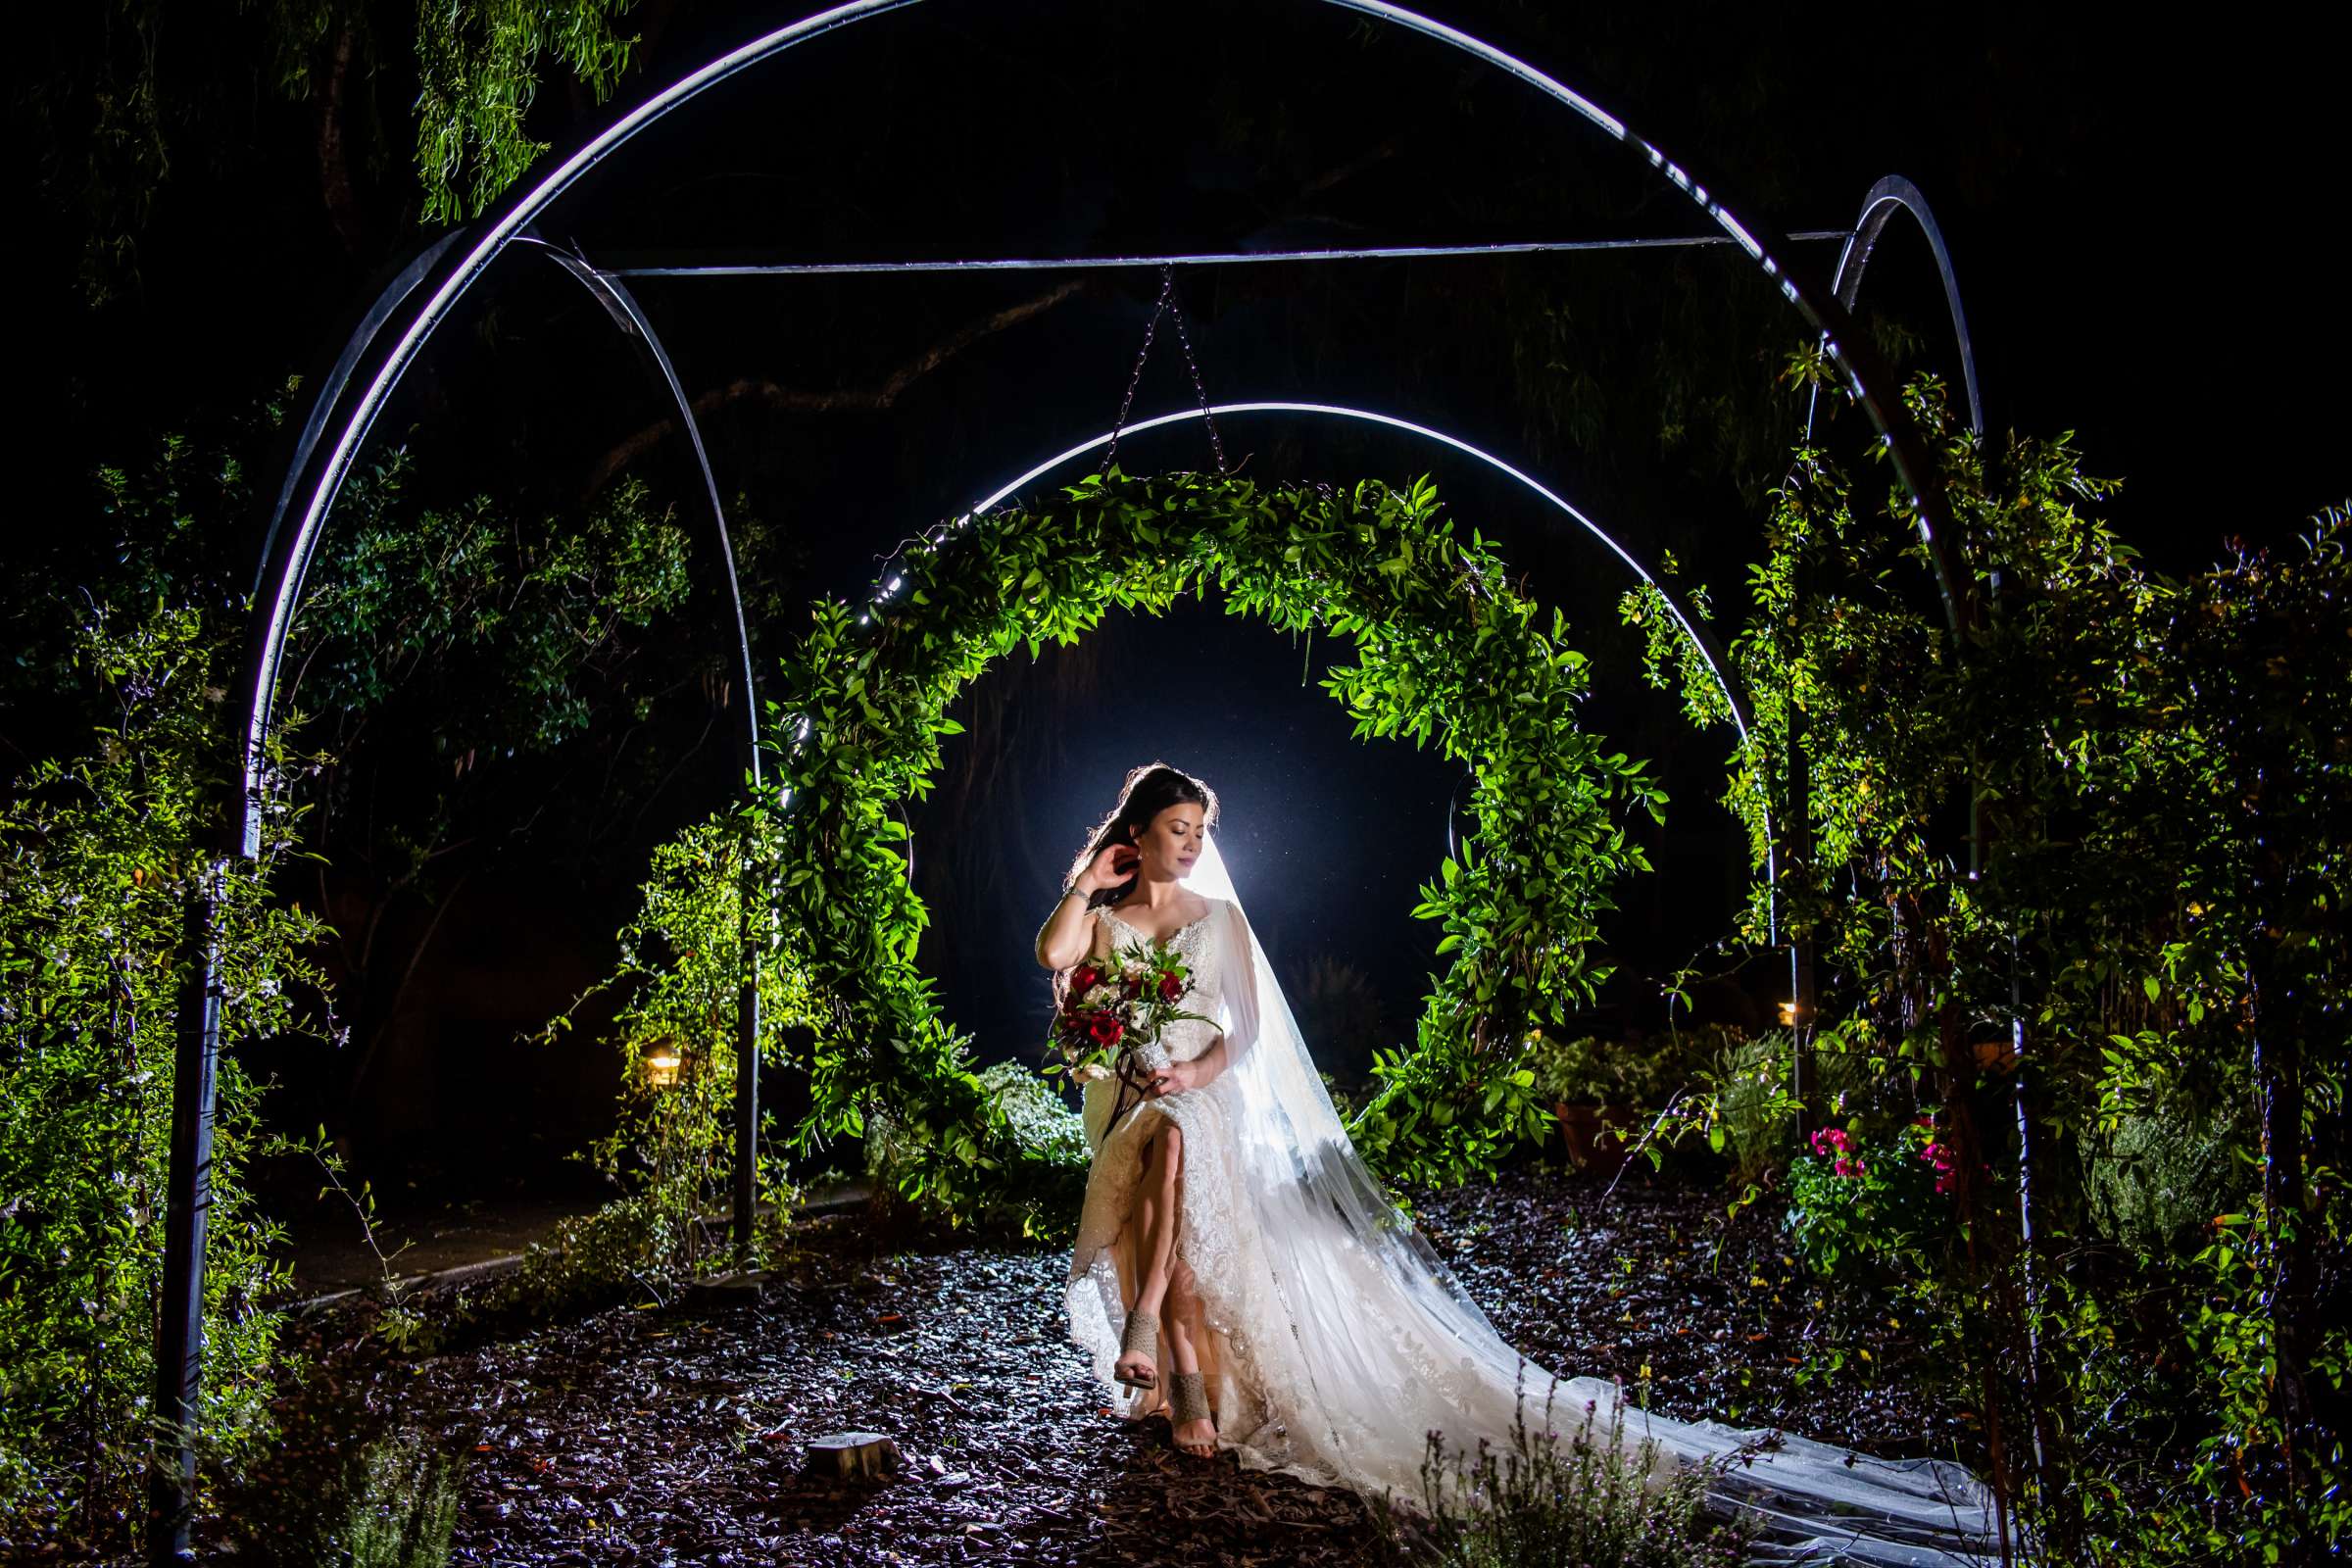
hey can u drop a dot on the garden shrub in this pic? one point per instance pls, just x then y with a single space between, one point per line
2163 783
2157 1180
351 1486
393 1504
399 1504
1050 1136
1572 1498
1867 1209
99 863
1044 1125
1591 1071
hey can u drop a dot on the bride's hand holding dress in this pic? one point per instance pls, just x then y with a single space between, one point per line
1183 1077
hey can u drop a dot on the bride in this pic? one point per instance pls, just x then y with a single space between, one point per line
1239 1267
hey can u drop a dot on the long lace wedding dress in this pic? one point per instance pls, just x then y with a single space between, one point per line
1337 1340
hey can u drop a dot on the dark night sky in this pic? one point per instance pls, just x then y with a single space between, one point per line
2138 220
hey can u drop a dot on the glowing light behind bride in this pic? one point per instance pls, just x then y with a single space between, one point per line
1210 878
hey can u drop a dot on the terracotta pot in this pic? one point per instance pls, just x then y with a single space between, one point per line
1580 1126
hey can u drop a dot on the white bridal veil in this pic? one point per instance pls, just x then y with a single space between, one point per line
1385 1346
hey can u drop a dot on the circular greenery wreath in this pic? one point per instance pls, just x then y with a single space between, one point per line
1447 652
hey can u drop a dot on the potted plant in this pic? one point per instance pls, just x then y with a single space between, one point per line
1597 1088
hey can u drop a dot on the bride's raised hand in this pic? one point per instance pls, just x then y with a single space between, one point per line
1112 865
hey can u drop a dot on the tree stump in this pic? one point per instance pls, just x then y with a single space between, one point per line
844 1455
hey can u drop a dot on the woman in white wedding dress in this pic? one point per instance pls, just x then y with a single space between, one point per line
1239 1267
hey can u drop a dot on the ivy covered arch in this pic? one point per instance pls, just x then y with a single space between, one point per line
1448 653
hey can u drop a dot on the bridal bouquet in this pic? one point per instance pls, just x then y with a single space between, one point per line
1113 1015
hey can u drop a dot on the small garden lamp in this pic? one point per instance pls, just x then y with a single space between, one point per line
1789 1014
661 1064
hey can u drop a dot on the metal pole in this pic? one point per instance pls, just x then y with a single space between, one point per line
179 1309
1879 205
179 1324
747 1048
623 307
1805 1079
1053 263
1878 208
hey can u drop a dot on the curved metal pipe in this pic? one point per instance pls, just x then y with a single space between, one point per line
328 395
619 304
1893 192
1709 648
1889 194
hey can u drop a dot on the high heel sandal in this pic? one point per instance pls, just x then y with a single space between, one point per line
1140 1337
1188 1401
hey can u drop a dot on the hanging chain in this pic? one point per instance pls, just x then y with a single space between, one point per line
1184 340
1165 305
1167 286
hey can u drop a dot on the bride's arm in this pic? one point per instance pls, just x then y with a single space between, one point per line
1068 933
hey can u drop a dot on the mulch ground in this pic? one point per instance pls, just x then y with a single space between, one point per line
673 1435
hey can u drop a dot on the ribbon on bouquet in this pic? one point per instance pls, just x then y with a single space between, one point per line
1131 1087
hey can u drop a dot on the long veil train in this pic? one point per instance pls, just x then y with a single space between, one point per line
1386 1345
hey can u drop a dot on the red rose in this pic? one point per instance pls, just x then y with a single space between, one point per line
1132 986
1170 988
1105 1029
1083 978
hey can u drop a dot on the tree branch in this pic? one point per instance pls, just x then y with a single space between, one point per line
334 165
879 395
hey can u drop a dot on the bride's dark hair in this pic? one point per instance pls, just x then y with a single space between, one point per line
1148 791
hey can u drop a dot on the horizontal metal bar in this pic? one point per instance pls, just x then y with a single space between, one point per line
1054 264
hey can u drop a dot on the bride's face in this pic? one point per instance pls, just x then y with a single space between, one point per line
1172 843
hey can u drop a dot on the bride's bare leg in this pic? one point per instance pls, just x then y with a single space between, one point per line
1155 1219
1183 1321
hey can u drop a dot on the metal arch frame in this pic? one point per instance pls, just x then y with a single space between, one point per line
619 303
375 364
1879 205
1892 192
1709 648
178 1332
